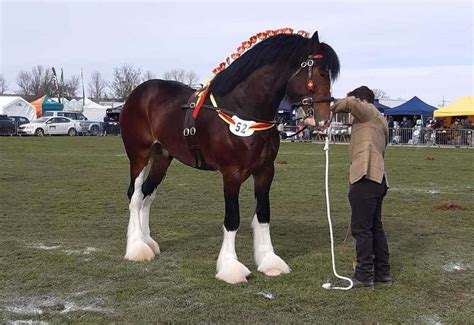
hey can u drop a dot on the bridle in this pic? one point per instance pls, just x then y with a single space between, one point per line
307 102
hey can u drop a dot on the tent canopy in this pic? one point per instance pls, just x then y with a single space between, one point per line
380 107
285 106
464 106
414 106
46 104
94 111
16 106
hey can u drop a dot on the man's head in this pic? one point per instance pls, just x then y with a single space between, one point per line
363 93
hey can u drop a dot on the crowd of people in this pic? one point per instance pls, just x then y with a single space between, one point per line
402 130
414 131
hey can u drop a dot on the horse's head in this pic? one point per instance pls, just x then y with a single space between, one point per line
310 85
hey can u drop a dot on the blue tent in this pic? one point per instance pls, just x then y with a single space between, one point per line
414 106
380 107
285 106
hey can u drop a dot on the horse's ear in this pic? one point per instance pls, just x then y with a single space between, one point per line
315 41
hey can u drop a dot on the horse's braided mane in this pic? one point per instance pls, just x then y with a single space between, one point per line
290 49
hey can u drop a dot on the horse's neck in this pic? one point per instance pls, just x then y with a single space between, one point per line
260 94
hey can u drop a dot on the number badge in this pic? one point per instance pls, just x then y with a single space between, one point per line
241 127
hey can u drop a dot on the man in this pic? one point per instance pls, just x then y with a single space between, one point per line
368 186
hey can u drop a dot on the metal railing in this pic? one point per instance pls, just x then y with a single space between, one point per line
421 136
8 128
418 136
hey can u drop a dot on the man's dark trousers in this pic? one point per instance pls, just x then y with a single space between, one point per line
366 197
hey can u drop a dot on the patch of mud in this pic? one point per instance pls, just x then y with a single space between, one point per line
53 305
431 320
456 267
450 206
45 247
86 251
26 322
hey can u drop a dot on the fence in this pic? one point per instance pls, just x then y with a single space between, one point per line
418 136
8 127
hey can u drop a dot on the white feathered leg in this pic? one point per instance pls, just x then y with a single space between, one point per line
267 261
229 269
137 249
145 222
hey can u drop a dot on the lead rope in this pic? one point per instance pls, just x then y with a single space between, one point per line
329 285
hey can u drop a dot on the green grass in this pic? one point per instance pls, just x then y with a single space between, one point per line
69 194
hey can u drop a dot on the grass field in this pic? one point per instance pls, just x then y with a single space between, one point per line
64 214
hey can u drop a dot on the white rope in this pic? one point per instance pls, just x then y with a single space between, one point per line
329 285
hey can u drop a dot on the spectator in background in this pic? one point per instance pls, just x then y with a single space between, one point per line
466 124
391 125
456 132
406 131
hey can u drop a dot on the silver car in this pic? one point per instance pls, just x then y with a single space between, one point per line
87 126
50 126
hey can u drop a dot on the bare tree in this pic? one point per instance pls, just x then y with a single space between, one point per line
3 85
126 78
148 76
189 78
379 93
36 83
97 85
70 87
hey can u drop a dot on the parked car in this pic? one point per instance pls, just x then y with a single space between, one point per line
87 127
19 120
7 126
50 126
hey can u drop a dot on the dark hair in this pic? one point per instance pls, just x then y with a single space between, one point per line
363 93
291 49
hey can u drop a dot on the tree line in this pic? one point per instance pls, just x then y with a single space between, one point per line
40 81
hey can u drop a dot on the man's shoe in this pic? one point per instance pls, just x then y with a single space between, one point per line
361 284
384 281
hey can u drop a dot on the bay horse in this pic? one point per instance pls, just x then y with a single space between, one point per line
251 87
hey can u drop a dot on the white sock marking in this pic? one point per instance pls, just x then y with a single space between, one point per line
229 269
265 258
145 222
137 249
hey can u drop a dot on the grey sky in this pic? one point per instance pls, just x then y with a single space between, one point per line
406 48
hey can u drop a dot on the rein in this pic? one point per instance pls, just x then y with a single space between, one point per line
285 136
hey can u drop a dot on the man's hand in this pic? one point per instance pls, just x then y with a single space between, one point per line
309 121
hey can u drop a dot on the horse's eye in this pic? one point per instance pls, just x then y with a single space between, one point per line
324 74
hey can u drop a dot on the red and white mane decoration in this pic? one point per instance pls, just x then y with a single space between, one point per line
252 41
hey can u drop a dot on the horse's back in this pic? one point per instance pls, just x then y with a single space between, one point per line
150 111
160 91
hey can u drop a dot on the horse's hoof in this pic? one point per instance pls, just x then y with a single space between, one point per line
139 252
232 271
273 265
153 245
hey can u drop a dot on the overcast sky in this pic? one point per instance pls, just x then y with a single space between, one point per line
405 48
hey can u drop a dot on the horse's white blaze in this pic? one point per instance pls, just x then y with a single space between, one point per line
265 258
145 222
229 269
137 249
